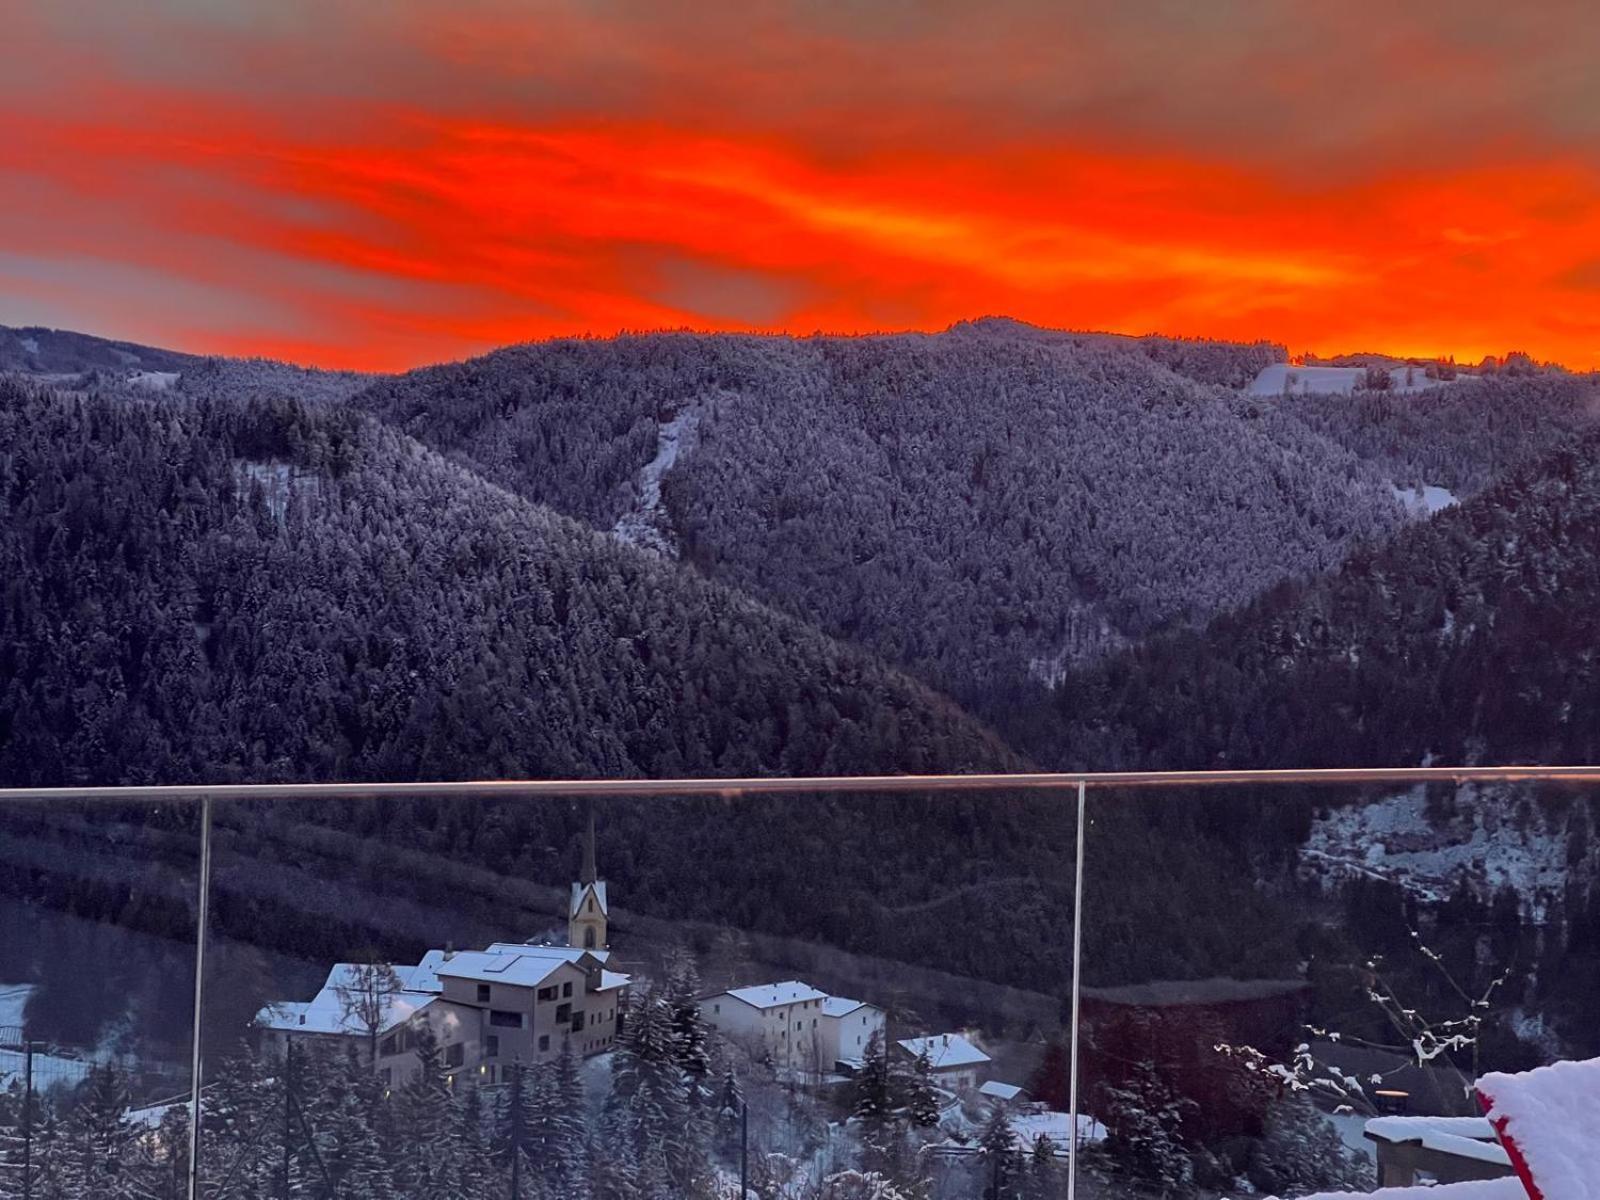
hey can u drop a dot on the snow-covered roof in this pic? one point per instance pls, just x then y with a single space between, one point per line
513 969
1412 1129
842 1006
1507 1188
771 995
326 1011
1470 1138
612 979
1549 1122
569 954
945 1051
1057 1126
579 890
1000 1091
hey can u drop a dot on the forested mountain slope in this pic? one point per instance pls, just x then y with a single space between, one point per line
1472 638
215 590
60 351
976 506
1463 436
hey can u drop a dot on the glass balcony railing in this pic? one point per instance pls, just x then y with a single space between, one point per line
1180 985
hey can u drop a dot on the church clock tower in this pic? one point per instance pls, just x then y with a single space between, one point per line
586 916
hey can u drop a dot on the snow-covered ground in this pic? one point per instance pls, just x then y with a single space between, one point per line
155 381
1488 837
49 1070
646 524
1327 381
1427 501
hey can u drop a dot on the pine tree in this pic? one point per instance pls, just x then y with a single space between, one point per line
99 1139
429 1157
873 1102
998 1147
921 1098
1145 1136
354 1154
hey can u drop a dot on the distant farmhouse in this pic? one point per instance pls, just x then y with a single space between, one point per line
798 1025
510 1002
957 1065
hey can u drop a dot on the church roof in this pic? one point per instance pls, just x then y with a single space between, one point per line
579 890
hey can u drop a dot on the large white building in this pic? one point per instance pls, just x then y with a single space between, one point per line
509 1002
799 1025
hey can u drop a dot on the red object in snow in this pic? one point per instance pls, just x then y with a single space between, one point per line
1549 1123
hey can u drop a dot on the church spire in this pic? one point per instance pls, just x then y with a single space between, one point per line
590 874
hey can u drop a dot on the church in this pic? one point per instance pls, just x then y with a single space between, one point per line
511 1002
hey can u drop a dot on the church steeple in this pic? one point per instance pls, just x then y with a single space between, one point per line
589 875
587 915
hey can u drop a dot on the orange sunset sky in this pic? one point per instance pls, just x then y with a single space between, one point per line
382 183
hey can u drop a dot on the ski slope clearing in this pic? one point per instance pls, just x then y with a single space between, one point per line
1286 379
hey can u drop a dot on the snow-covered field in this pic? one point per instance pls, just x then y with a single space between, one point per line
1286 378
154 381
1426 502
1487 837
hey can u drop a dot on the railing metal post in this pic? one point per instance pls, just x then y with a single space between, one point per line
1077 963
202 923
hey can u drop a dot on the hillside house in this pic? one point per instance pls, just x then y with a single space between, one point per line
956 1063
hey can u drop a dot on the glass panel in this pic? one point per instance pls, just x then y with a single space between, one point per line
97 950
442 991
1270 969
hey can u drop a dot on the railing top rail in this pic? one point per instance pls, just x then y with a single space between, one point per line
762 786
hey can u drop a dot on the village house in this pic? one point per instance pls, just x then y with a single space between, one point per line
800 1026
488 1009
956 1064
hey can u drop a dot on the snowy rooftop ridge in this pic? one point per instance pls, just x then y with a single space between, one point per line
770 995
841 1006
944 1050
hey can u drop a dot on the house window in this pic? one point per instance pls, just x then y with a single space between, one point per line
716 1008
544 1041
491 1046
391 1044
483 993
504 1019
588 941
455 1054
547 993
563 1013
566 988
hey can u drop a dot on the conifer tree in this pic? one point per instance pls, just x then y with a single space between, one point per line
998 1147
873 1102
921 1098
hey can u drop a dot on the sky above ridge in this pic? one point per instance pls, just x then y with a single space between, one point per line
382 183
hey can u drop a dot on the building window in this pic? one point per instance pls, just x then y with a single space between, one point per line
563 1013
504 1019
483 993
716 1008
391 1044
455 1054
588 941
544 1042
491 1046
547 993
566 988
